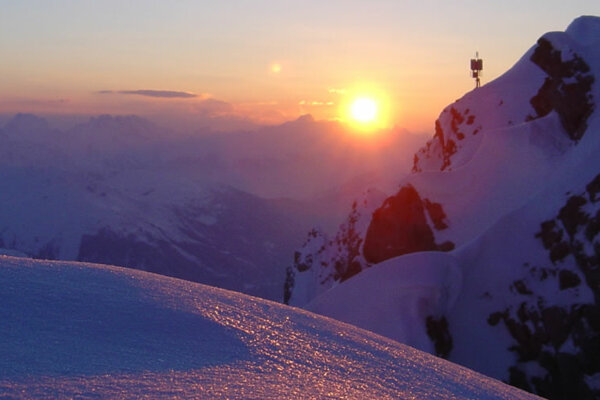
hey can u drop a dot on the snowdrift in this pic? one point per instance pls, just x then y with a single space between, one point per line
72 330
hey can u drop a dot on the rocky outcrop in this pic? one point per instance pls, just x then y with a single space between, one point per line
400 227
451 128
330 261
561 340
403 223
439 333
566 90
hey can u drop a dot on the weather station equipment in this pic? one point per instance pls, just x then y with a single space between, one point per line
476 68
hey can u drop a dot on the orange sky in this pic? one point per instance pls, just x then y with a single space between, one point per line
265 61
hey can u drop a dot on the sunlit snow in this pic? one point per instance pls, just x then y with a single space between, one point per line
73 329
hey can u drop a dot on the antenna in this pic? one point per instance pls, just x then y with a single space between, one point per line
476 68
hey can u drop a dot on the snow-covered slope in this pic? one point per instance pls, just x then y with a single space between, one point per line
490 247
75 330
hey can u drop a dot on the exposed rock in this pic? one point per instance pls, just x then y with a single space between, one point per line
593 188
288 284
568 279
563 340
437 215
567 90
439 333
521 288
399 227
335 260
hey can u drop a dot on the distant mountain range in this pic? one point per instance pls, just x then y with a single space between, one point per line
224 209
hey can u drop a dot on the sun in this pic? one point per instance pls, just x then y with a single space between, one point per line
364 110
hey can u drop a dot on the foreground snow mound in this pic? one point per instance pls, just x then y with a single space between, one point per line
74 329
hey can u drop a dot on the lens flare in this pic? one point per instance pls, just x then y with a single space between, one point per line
275 68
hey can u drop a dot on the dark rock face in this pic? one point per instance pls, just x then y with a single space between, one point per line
439 333
520 287
437 215
447 144
566 90
568 279
288 285
562 340
349 243
400 227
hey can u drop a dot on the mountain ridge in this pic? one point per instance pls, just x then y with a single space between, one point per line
508 165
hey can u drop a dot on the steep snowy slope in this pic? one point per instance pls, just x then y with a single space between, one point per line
508 186
73 330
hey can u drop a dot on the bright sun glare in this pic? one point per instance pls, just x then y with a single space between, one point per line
364 110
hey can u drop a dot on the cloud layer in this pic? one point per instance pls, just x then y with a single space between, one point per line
167 94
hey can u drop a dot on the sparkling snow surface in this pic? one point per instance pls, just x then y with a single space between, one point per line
89 331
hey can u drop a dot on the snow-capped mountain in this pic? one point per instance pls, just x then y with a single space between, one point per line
77 330
488 254
159 222
107 191
224 209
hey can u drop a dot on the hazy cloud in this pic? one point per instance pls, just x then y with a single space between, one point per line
213 107
167 94
33 103
315 103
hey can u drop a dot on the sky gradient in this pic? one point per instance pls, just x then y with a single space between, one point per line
258 60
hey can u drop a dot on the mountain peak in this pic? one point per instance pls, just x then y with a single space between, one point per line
301 121
119 121
24 123
585 29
